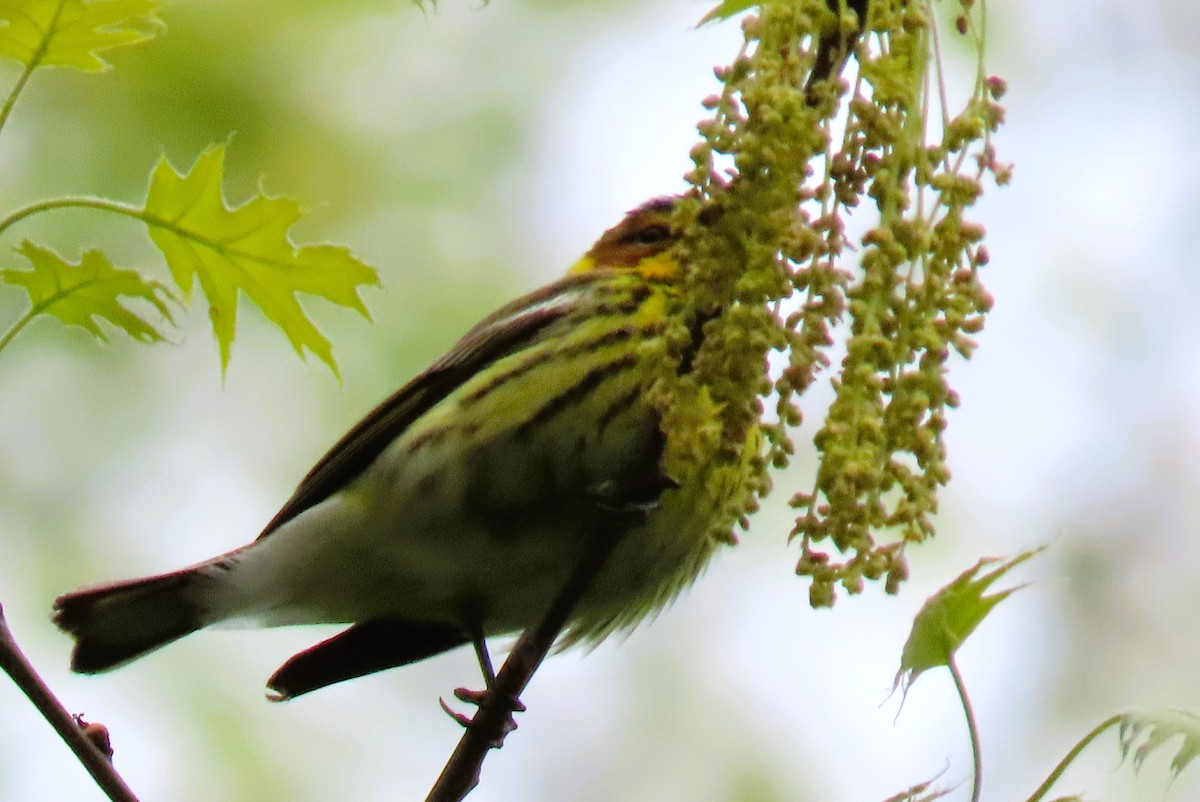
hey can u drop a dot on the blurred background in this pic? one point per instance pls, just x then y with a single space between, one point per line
471 153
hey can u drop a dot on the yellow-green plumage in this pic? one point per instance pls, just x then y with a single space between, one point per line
461 504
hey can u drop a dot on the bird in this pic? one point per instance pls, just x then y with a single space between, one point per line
454 510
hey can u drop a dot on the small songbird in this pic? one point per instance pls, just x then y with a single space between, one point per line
455 510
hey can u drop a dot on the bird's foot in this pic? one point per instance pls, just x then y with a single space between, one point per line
485 700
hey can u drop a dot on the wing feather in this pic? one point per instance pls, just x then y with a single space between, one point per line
507 330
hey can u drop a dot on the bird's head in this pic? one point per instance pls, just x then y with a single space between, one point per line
641 241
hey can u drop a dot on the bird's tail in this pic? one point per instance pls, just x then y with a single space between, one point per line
113 624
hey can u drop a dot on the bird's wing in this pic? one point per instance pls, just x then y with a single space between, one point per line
504 332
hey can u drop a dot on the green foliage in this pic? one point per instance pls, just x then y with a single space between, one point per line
915 300
943 624
1142 733
246 248
81 294
72 33
727 9
949 616
1139 735
771 268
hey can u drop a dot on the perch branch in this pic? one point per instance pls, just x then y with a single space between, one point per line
18 667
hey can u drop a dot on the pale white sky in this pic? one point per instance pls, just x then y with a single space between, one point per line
1078 428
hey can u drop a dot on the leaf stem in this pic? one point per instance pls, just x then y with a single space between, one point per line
11 100
1096 731
18 667
73 202
138 213
15 329
972 728
83 202
35 61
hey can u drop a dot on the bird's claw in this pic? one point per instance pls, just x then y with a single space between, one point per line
482 699
461 718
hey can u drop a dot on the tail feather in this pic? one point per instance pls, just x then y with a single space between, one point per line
115 623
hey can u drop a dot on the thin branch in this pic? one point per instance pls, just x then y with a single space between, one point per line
488 726
833 52
17 666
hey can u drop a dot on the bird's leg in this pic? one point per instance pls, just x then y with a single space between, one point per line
483 655
622 503
485 697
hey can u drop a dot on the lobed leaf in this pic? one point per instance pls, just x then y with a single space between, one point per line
949 616
1139 734
1143 732
246 248
72 33
85 292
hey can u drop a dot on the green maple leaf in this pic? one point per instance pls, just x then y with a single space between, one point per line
1142 733
85 292
247 248
949 616
72 33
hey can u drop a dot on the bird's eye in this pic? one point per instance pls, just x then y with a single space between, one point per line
650 235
